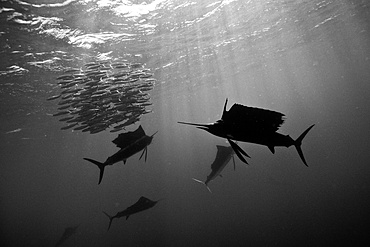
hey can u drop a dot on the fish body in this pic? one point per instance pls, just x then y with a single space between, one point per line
223 156
125 153
68 232
130 144
142 204
253 125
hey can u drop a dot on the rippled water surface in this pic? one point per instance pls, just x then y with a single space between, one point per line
307 59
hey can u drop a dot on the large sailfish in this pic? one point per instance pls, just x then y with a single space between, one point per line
129 143
253 125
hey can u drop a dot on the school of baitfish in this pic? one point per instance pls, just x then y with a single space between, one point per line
103 95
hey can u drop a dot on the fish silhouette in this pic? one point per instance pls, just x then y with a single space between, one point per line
68 232
129 143
142 204
223 156
253 125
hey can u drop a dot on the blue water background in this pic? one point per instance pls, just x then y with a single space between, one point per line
307 59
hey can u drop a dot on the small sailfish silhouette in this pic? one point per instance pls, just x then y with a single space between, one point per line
129 143
68 232
142 204
223 156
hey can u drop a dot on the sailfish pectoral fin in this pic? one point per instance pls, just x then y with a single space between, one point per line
145 150
238 151
234 162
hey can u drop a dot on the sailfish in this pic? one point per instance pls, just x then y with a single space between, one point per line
223 156
129 143
253 125
142 204
68 232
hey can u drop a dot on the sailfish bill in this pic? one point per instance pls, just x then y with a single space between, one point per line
238 150
200 126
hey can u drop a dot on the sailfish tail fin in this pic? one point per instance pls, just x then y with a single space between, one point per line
110 219
298 143
197 180
100 165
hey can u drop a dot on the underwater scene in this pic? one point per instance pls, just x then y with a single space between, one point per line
184 123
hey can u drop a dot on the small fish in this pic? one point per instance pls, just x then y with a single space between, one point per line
146 75
64 77
71 71
136 65
66 118
61 113
92 66
67 96
81 127
63 82
13 131
54 97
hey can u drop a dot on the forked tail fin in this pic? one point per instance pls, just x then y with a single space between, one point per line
298 143
110 219
197 180
100 165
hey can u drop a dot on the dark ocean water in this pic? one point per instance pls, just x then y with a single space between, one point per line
307 59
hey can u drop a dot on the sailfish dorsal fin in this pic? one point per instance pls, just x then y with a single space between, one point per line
124 140
253 118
